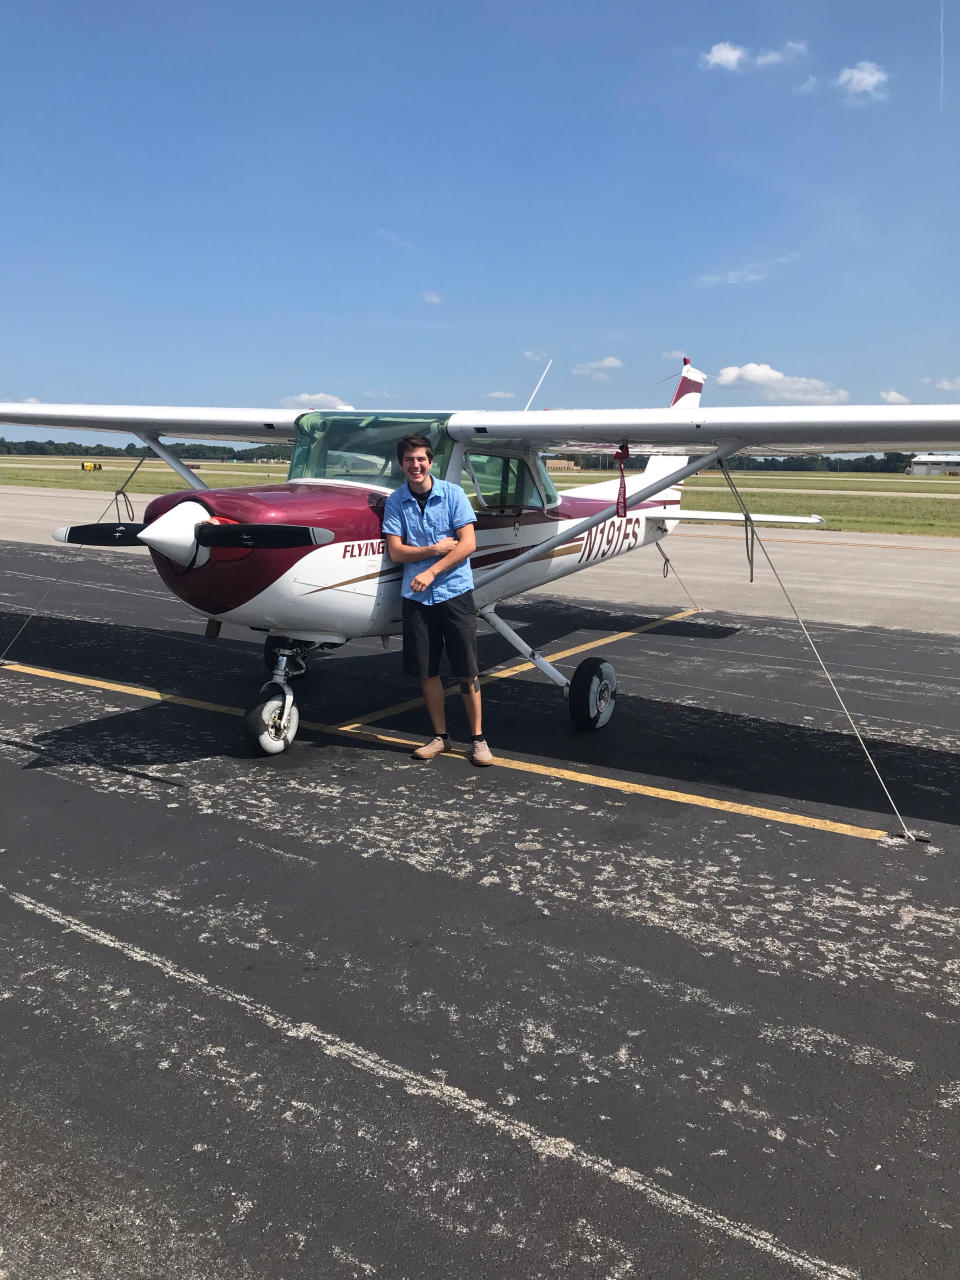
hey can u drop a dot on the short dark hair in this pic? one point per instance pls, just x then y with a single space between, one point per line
410 444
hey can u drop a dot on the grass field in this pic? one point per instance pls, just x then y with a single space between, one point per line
153 476
847 500
868 504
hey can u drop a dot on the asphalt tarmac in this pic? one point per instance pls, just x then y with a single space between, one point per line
661 1001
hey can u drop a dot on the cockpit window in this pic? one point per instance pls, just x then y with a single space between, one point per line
363 447
500 483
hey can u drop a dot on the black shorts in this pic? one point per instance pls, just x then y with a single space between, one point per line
428 629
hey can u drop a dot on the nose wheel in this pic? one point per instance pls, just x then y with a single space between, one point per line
273 720
272 724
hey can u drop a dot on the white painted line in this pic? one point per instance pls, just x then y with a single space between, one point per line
543 1145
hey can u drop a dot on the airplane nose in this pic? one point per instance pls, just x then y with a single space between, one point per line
174 534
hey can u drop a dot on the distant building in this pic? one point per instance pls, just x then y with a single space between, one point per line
935 464
561 464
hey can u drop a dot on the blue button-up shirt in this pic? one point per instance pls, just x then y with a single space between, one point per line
446 511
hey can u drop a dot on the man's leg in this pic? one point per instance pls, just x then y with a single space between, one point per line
470 692
422 644
433 696
461 639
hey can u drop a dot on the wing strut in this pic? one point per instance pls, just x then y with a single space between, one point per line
172 461
724 450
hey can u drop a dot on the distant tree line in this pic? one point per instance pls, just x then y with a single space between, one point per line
888 462
70 449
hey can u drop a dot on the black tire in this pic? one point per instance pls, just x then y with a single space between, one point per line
296 665
262 723
593 694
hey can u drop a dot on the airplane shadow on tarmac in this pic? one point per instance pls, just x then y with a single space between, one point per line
655 740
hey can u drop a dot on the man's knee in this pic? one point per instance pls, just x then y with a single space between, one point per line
470 686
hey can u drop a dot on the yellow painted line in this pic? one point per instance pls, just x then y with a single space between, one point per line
593 644
691 798
410 703
656 793
504 762
387 712
135 690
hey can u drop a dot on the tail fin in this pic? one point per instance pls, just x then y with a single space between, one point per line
687 394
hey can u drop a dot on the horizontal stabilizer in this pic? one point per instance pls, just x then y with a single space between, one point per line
731 517
100 535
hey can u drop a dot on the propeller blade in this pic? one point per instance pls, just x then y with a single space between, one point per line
100 535
262 537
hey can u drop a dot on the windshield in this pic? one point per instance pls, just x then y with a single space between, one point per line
363 447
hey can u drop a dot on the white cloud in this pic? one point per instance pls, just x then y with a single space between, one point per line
770 57
778 387
397 241
948 384
926 381
378 395
809 85
597 368
537 357
862 83
313 400
501 395
734 57
893 397
725 55
431 297
672 355
752 273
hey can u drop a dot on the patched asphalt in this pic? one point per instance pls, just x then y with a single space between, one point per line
340 1013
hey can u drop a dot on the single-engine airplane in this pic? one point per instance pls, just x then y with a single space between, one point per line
305 564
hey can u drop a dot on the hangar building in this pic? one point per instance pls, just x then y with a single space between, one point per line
935 464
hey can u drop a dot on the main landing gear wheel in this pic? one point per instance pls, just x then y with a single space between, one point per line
593 694
264 723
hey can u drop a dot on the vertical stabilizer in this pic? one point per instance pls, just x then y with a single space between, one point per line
687 394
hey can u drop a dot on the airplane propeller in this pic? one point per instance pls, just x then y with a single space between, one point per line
254 537
262 537
101 535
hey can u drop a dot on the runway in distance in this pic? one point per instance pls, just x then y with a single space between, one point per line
304 563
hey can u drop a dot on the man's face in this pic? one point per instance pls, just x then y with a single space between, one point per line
416 467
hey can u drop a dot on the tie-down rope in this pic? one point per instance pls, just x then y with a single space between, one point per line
115 500
668 568
753 537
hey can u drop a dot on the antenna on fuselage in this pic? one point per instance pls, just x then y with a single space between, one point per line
539 385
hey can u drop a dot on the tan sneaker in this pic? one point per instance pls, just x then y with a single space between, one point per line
435 747
480 753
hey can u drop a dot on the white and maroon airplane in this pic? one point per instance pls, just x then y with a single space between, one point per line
305 564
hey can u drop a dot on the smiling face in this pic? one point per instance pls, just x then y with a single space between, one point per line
416 467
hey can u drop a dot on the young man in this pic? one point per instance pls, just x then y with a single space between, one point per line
428 526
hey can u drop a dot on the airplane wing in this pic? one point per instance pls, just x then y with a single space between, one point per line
760 430
680 430
252 425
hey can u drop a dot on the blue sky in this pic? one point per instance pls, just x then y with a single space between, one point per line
413 205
